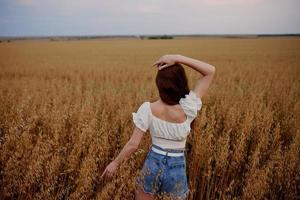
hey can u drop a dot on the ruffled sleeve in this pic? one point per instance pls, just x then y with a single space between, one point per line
141 118
191 104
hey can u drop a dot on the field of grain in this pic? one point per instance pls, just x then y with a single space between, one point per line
65 113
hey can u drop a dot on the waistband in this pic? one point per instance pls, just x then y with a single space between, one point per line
168 152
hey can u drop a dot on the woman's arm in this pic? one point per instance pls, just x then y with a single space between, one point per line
207 70
130 147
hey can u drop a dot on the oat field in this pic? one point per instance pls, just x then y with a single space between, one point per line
65 113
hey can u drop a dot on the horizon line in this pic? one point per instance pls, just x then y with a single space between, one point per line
144 35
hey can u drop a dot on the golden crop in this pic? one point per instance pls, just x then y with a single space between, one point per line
65 113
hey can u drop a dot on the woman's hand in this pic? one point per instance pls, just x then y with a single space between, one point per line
166 61
110 169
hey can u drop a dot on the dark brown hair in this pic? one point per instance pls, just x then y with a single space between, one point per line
172 84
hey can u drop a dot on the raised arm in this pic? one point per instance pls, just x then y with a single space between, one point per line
207 70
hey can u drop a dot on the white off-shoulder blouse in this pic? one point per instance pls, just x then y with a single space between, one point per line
168 134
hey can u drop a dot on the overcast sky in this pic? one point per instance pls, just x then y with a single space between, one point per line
135 17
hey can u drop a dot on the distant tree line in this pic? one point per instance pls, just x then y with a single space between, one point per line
4 41
154 37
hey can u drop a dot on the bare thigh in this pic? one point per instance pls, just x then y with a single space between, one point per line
141 195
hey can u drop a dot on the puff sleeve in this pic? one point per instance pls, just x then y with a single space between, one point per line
191 104
141 118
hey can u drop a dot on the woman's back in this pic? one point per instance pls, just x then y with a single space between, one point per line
169 113
169 125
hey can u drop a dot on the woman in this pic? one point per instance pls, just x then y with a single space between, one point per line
169 121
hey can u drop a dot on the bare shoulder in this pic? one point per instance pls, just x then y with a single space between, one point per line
155 106
171 113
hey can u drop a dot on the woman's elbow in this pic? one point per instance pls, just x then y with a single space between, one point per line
133 145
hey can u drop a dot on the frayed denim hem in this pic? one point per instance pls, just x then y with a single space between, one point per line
143 189
183 196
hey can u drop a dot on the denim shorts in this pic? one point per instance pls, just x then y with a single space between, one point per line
164 175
